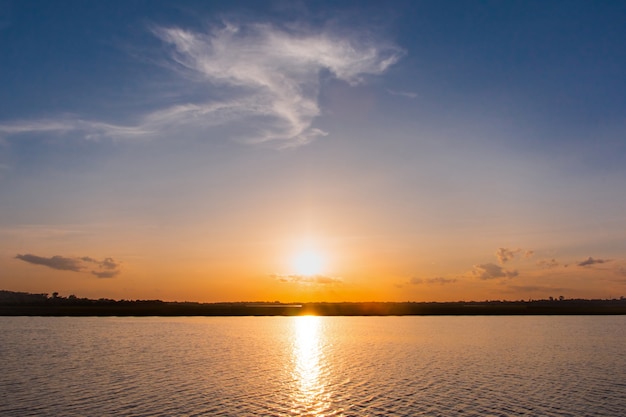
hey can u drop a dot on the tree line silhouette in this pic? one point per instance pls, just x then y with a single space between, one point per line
28 304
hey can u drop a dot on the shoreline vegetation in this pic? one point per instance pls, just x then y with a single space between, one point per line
27 304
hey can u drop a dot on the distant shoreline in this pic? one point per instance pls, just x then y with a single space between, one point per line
26 304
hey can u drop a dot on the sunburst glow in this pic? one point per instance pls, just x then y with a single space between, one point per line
308 263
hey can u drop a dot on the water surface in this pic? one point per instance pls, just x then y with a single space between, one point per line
317 366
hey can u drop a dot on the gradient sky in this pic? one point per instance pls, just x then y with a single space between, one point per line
192 150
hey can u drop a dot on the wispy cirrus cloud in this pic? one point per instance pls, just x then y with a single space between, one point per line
408 94
71 124
106 268
261 81
274 72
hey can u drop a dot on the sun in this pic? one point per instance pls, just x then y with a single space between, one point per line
308 263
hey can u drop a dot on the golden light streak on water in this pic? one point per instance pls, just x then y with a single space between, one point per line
311 397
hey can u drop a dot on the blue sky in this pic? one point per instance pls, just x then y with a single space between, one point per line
423 150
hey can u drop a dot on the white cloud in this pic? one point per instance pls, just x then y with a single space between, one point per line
275 74
264 84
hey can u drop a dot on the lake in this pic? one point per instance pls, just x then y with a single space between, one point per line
313 366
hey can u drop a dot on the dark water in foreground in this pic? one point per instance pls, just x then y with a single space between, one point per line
318 366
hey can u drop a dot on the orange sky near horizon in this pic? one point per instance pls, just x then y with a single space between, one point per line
334 151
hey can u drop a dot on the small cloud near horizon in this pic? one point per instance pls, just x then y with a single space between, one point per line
504 254
107 268
311 279
432 281
55 262
548 263
492 271
592 261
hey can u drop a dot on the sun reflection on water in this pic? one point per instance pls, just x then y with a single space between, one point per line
310 396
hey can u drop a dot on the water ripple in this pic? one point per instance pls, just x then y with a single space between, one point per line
313 366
